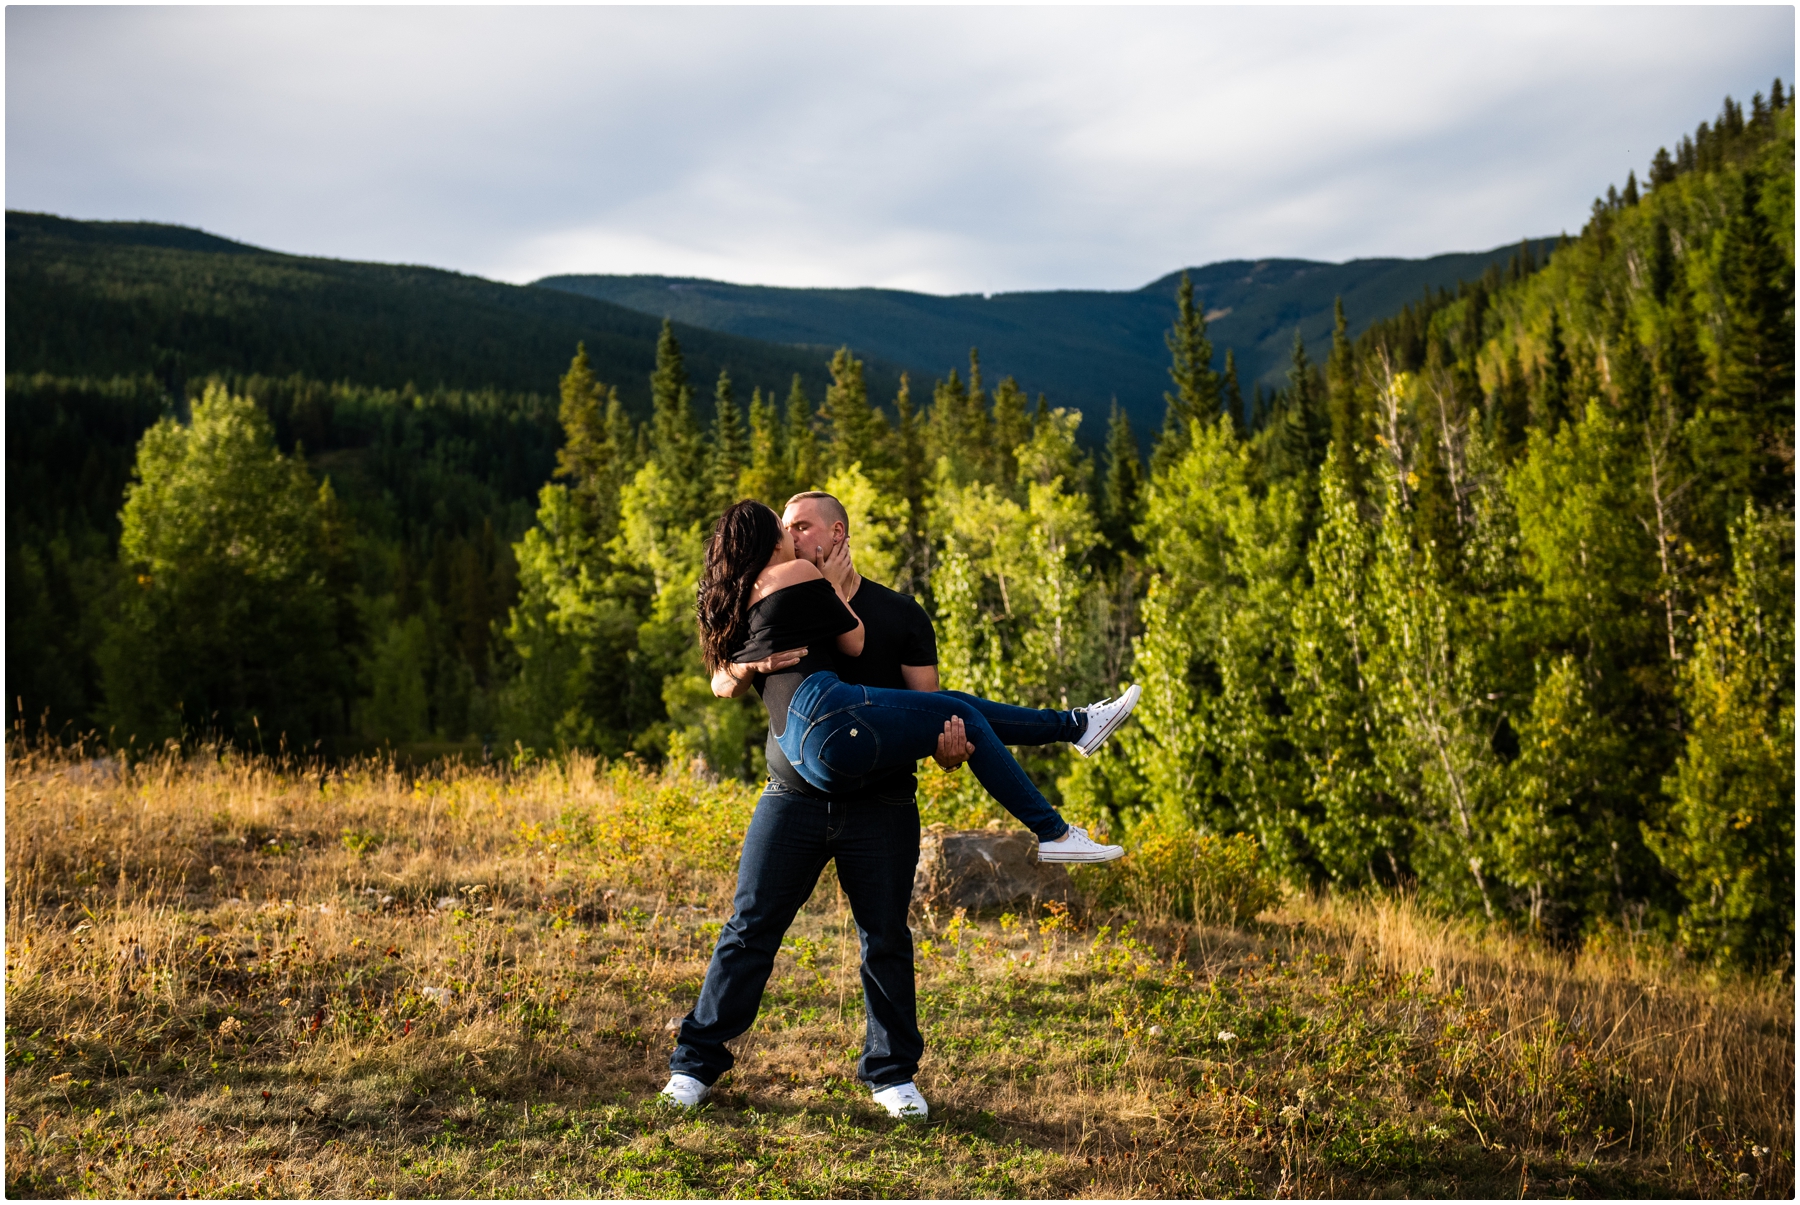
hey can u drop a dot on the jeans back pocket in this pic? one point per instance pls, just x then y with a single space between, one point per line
850 749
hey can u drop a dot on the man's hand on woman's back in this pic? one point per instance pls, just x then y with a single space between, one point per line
729 681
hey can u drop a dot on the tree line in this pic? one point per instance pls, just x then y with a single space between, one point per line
1495 603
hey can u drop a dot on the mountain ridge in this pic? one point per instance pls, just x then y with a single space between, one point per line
111 297
91 299
1081 347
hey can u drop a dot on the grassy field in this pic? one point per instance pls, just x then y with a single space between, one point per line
234 978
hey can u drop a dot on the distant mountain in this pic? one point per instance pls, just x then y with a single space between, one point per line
1081 347
101 299
97 299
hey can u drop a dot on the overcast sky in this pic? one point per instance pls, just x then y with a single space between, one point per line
943 149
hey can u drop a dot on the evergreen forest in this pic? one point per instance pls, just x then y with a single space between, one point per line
1492 601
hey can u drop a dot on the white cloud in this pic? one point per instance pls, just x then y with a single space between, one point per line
938 148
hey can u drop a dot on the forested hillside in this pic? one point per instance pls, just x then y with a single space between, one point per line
1494 602
98 300
426 396
1083 347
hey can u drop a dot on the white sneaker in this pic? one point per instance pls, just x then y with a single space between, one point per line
1104 718
1076 846
902 1100
683 1091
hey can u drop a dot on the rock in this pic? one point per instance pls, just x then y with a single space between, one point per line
985 869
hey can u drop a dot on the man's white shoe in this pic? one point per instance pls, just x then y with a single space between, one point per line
684 1091
902 1100
1104 718
1076 846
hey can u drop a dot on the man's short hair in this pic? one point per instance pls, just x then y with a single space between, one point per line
832 506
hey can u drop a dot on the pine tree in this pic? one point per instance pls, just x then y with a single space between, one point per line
1348 417
1552 404
580 415
958 429
582 458
729 453
766 479
1120 500
597 445
1511 413
1680 364
1196 395
913 570
1756 348
856 431
974 427
1012 427
679 447
1662 169
806 470
1311 408
1662 261
942 426
1297 430
1475 309
1232 395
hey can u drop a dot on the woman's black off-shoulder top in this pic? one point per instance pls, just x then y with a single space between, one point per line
807 615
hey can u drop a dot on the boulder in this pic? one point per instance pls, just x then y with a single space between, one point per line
985 869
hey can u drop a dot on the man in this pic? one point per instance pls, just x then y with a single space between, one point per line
873 836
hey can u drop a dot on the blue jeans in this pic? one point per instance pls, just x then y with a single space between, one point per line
838 735
790 839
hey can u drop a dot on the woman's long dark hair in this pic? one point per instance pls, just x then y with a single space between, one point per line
743 540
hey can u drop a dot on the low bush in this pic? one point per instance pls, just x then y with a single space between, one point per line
1187 876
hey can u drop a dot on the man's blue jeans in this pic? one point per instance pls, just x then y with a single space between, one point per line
837 735
790 839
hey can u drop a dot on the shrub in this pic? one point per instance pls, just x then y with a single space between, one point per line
1194 876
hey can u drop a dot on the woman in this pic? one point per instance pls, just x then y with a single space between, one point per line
756 598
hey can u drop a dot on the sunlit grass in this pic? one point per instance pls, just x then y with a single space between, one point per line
230 978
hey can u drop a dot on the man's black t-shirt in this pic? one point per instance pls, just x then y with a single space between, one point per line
896 632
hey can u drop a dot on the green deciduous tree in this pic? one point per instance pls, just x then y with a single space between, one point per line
1727 834
1354 827
1209 746
230 625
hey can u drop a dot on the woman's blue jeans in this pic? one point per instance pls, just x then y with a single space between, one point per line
838 735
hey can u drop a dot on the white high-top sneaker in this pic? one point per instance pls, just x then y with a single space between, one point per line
1076 846
903 1100
1104 718
684 1092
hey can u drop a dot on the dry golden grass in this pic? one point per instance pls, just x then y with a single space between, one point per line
228 977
